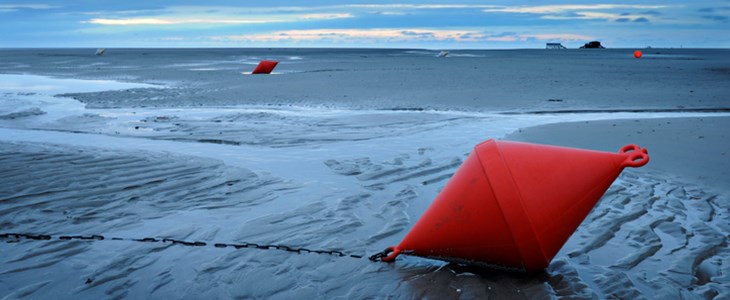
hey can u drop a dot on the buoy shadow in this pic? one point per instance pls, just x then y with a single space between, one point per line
434 279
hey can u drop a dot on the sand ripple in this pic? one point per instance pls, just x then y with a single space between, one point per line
651 238
84 189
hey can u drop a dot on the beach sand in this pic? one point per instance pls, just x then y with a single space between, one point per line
520 80
694 150
342 150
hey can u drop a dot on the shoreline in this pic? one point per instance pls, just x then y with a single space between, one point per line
359 48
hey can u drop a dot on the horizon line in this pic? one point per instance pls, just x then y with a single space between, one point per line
345 47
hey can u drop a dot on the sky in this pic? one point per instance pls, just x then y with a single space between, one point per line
372 24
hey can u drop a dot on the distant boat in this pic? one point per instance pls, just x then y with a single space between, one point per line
100 51
554 46
593 45
443 54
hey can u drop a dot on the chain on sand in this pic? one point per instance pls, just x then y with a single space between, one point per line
16 237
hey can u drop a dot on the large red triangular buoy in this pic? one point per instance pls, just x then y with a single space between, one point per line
265 67
514 205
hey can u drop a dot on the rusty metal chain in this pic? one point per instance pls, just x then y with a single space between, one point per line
16 237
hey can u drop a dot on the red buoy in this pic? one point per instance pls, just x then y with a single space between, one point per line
637 53
265 67
514 205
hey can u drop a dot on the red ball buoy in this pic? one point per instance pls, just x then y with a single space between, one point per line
637 53
514 205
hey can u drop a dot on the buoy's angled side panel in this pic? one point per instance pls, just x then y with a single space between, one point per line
559 186
512 206
464 222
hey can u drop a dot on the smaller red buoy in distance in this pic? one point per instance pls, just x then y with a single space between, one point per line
265 67
637 53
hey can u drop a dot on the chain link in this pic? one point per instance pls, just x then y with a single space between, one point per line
16 237
379 255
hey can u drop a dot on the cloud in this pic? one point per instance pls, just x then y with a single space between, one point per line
390 13
582 11
222 15
27 6
715 13
211 20
651 13
132 21
325 16
167 14
395 35
553 37
405 34
390 9
557 9
716 18
16 7
587 15
415 6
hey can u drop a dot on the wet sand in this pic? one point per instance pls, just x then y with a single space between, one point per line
694 150
343 150
497 80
